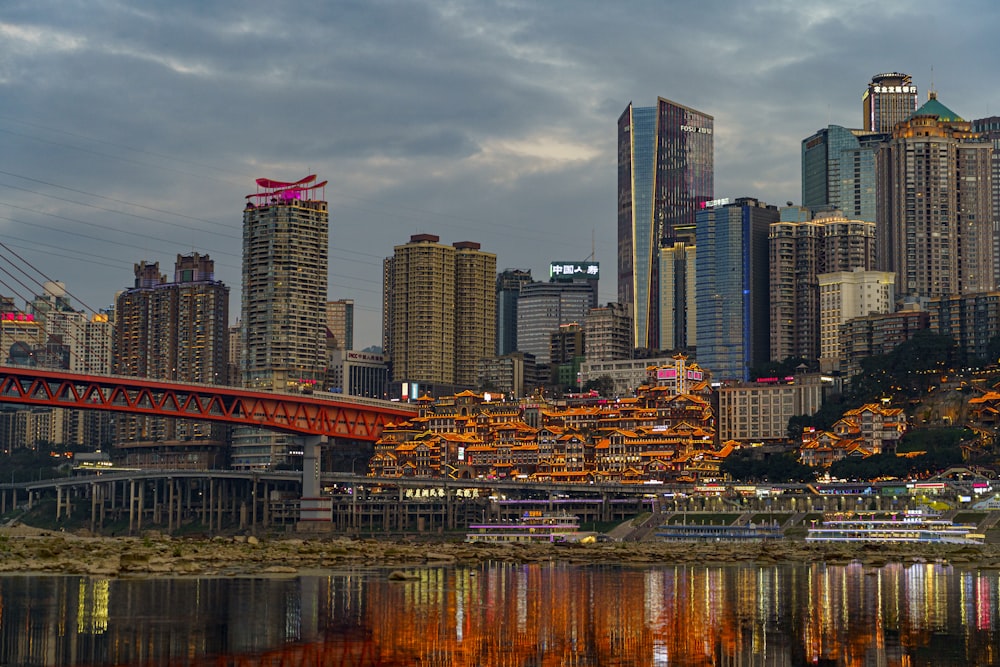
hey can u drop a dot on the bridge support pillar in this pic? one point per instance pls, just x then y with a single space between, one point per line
315 509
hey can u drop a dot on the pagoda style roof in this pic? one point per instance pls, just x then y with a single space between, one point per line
932 107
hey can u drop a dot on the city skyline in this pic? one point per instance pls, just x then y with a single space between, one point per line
133 136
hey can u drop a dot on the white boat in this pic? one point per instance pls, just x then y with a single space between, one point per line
912 526
533 526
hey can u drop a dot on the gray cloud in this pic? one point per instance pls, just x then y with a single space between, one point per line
134 132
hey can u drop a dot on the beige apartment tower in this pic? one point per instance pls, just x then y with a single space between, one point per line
439 314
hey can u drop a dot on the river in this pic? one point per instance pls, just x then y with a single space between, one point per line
500 614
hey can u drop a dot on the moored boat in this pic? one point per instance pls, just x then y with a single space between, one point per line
911 526
533 526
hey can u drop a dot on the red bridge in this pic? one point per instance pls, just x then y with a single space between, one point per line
329 415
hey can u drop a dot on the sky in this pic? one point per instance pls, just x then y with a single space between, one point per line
133 131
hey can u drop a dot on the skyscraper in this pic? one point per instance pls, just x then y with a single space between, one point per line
440 314
544 307
732 279
285 266
889 99
509 284
665 175
934 227
838 171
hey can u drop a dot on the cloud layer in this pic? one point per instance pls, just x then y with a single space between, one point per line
133 133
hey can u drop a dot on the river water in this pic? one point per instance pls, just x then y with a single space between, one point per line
506 615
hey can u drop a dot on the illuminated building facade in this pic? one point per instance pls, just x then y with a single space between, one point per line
889 99
665 175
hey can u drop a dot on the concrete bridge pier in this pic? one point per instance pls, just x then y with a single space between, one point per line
315 510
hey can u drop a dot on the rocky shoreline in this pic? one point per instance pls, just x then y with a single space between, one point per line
25 550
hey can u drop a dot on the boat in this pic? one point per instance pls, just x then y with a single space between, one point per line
911 526
745 532
533 526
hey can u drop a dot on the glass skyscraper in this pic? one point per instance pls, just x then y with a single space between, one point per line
838 171
732 287
665 175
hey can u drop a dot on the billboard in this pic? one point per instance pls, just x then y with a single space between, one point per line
574 270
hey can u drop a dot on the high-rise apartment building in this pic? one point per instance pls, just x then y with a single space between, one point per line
340 323
665 176
285 265
801 249
679 330
173 330
509 284
988 130
286 231
609 333
889 99
732 287
935 208
844 295
440 313
971 320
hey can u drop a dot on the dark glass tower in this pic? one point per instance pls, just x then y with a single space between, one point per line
665 175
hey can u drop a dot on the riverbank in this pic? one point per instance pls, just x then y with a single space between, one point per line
32 551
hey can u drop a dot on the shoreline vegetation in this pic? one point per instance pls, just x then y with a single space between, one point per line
27 550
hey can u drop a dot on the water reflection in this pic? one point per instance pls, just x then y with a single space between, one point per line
540 614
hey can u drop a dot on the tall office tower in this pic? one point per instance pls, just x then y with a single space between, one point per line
934 227
173 330
509 284
732 279
609 333
340 323
544 307
889 99
844 295
665 175
838 171
440 314
989 130
286 231
476 310
678 305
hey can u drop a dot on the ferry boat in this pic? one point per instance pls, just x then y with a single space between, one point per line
748 532
912 526
533 526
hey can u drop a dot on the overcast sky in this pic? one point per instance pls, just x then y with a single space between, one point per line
132 131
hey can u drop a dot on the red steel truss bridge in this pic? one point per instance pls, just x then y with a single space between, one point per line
330 415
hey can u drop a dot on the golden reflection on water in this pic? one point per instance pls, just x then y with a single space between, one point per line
502 614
